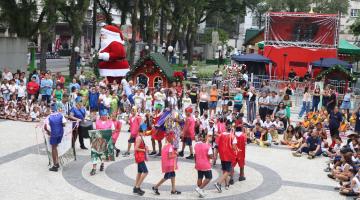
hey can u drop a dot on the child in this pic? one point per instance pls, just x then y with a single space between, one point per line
114 102
140 158
265 138
186 101
240 153
203 154
134 121
158 132
93 99
188 133
227 147
148 101
168 164
35 113
116 132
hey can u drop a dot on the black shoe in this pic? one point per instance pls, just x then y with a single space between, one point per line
141 192
117 152
102 167
152 153
135 190
190 157
159 154
181 154
156 191
93 172
242 178
54 168
231 182
83 147
175 192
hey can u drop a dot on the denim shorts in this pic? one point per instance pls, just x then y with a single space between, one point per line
212 104
169 175
142 168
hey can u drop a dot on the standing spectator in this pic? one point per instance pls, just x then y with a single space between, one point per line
346 104
251 111
316 99
78 112
33 87
7 75
332 100
273 103
58 93
226 99
263 105
46 88
74 84
292 74
5 90
357 123
194 96
213 100
203 101
238 101
93 99
60 80
334 123
21 91
306 102
185 71
325 96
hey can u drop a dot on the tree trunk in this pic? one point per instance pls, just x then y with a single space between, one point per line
142 20
134 22
43 51
123 17
181 47
161 31
74 55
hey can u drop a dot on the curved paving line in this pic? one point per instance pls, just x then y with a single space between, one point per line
18 154
72 173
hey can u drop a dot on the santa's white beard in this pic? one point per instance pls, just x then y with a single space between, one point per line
104 43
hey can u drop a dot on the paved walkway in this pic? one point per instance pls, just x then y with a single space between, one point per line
272 173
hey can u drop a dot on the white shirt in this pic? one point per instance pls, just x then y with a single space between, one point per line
267 124
21 90
107 101
211 130
12 88
8 76
5 88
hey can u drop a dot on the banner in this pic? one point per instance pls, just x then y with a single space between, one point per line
65 151
102 147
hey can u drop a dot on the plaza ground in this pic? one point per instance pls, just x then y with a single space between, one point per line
272 173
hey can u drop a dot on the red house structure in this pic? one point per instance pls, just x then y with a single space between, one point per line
151 70
294 40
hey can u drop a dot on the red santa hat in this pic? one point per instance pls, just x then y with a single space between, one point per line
189 109
113 32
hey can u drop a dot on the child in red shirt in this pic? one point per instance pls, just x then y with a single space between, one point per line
203 154
188 133
116 132
168 164
227 152
134 122
240 153
140 158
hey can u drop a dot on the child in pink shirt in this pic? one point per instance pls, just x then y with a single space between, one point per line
203 154
134 122
188 133
116 132
168 164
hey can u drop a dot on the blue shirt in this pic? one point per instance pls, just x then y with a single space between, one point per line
55 122
313 142
76 85
238 99
357 123
334 120
93 100
46 86
78 113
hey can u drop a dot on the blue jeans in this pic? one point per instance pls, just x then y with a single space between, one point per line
315 104
305 107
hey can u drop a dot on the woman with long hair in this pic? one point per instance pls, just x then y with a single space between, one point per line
306 102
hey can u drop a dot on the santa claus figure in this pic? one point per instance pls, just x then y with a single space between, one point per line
112 54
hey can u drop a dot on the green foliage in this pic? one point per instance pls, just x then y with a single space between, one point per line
289 5
331 6
223 36
20 16
355 27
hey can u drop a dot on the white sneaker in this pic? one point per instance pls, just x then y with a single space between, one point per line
199 191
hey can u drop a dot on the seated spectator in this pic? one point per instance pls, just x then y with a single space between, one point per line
312 146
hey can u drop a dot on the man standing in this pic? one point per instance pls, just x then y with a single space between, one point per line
46 88
334 123
54 127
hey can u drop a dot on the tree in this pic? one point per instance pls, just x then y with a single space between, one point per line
74 12
105 7
290 5
331 6
223 36
134 23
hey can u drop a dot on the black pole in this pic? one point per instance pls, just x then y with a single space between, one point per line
94 25
219 60
284 65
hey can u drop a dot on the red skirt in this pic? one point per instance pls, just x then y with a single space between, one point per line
158 135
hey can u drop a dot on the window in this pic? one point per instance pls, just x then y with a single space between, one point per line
354 12
158 82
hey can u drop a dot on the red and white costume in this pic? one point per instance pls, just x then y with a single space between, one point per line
112 53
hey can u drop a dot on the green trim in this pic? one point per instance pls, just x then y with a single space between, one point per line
347 48
336 68
159 61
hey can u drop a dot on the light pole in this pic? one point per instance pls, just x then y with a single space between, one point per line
170 50
285 54
219 50
76 50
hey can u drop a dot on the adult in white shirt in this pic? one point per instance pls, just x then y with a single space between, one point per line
7 75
